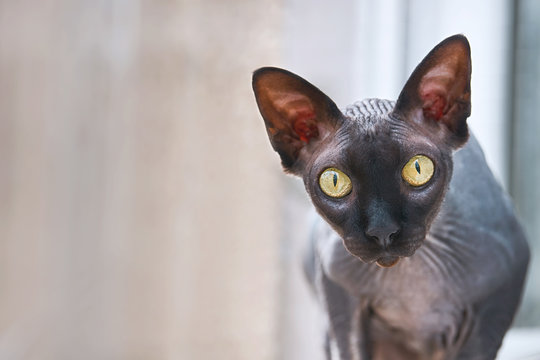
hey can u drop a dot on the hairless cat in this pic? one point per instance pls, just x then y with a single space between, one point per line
419 255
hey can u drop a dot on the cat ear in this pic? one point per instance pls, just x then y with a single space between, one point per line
297 115
438 93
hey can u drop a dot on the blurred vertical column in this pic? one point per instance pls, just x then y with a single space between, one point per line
525 160
137 210
380 50
226 174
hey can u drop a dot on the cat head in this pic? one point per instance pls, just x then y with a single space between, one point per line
378 171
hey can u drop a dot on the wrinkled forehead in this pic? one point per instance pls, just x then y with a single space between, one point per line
371 137
368 122
369 116
369 107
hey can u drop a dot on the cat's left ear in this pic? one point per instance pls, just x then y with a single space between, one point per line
297 115
438 93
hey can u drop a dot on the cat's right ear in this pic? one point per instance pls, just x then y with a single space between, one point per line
297 115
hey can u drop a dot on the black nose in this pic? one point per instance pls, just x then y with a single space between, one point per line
383 234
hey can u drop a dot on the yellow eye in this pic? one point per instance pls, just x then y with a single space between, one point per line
418 170
335 183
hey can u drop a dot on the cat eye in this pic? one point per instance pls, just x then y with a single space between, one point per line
335 183
418 170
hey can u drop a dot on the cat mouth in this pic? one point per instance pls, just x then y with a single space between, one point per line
387 261
384 258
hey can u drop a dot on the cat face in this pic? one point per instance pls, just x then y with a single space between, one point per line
383 213
376 172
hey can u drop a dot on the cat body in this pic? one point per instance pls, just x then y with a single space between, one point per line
419 255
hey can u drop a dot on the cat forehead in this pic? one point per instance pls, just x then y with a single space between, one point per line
370 129
369 107
369 115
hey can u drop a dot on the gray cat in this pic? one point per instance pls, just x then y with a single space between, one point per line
420 255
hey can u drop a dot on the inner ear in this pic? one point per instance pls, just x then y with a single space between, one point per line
297 115
445 84
434 91
294 110
439 88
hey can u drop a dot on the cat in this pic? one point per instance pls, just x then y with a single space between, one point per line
420 254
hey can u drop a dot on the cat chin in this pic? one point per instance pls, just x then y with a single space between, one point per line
387 261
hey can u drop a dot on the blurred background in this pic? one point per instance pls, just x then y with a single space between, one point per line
143 214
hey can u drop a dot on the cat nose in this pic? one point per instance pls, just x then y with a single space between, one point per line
383 234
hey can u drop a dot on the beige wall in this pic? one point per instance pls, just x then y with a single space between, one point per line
137 189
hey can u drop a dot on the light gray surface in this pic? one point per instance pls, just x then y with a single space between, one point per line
525 160
521 344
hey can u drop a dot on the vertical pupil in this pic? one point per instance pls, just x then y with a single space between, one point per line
417 166
335 179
